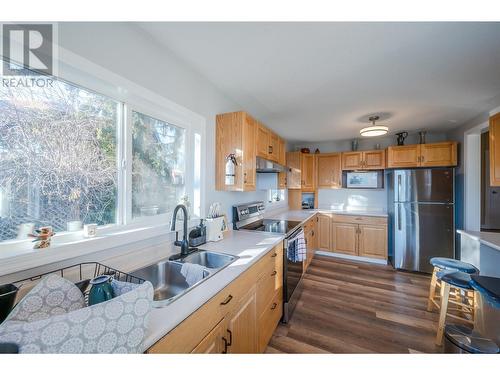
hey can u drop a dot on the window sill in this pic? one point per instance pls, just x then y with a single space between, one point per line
19 255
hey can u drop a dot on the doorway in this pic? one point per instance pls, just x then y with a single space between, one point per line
490 196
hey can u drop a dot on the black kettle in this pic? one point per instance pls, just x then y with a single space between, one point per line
401 138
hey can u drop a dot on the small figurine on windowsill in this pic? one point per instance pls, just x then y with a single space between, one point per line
42 237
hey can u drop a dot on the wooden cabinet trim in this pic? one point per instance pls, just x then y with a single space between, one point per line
494 150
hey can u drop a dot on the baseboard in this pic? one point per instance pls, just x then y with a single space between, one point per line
351 257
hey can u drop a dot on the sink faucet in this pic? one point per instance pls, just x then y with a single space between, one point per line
184 244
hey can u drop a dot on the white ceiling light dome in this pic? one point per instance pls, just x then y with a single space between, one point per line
374 130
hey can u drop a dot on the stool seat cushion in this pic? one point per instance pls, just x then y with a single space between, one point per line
456 278
453 264
488 287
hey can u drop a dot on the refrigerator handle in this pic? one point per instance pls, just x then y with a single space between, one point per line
399 188
399 216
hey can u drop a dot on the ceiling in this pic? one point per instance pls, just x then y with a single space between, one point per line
321 81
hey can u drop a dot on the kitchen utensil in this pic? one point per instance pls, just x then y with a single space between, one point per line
198 235
100 290
401 138
8 293
214 228
354 145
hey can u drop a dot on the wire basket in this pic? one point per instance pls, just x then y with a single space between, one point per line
80 274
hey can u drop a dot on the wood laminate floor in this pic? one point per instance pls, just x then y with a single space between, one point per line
354 307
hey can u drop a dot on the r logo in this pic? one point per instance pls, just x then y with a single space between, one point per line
27 46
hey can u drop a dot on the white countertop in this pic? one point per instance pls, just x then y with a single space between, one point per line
248 246
303 215
490 239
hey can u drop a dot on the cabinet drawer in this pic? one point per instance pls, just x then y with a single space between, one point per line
270 318
375 220
269 283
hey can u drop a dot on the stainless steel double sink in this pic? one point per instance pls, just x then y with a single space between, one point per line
169 277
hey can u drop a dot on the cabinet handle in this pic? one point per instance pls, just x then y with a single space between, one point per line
227 300
312 233
274 255
270 149
274 306
274 273
224 351
422 158
230 337
358 218
245 177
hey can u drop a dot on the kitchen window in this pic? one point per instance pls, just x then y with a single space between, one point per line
276 195
70 156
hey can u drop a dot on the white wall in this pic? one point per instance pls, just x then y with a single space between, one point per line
365 143
353 199
128 51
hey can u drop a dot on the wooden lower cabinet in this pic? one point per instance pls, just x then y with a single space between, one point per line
242 325
215 341
324 227
345 238
359 236
373 241
237 319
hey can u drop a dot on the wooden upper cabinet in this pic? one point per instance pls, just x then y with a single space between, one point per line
403 156
282 152
263 141
249 134
294 174
329 170
274 147
308 171
374 159
443 154
355 160
495 150
235 134
352 160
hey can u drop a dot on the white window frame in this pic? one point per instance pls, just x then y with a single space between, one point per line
85 74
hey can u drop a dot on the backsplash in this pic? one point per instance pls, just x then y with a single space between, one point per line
353 199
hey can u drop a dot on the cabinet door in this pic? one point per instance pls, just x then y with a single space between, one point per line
274 147
242 325
374 159
352 160
443 154
229 134
249 133
324 226
263 141
282 152
214 342
282 180
294 174
403 156
345 238
373 241
329 171
307 171
495 150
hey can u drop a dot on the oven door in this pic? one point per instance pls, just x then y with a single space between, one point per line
292 274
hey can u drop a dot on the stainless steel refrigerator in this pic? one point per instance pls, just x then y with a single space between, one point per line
421 217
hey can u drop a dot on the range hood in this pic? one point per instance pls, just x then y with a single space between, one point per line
266 166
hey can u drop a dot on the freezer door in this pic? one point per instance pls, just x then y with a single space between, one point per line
422 231
424 185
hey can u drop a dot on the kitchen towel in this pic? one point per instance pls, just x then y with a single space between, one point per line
192 273
297 248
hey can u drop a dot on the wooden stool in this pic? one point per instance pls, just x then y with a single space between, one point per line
456 290
441 264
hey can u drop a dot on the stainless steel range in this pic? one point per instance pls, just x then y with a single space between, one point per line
250 216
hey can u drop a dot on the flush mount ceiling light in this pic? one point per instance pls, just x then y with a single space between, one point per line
374 130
